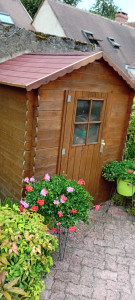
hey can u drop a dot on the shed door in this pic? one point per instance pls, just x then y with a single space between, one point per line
82 136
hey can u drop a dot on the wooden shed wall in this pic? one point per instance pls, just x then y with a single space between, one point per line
95 77
50 112
12 137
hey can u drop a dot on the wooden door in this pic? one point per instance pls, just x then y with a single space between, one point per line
83 121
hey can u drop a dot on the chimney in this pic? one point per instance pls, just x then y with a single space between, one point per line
121 17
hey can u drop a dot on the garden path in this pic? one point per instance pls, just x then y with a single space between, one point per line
99 261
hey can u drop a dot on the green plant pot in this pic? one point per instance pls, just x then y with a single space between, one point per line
123 188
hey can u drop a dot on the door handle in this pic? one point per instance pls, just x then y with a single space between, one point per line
102 146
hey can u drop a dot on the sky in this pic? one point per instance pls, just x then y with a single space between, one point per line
127 6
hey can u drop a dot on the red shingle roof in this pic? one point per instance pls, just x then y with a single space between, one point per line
32 70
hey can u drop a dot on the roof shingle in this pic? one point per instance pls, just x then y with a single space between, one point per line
32 70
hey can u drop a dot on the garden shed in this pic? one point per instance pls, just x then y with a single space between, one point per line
62 113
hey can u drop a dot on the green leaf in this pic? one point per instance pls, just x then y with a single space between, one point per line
2 277
3 259
7 296
18 291
11 283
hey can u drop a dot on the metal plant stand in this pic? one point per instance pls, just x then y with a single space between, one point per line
62 239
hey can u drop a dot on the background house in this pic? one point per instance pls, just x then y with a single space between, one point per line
62 113
12 12
113 38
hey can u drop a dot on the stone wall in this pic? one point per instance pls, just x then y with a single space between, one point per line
15 41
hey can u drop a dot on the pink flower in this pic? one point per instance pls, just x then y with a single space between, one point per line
94 218
54 229
63 198
43 192
47 177
71 229
22 208
70 189
26 205
60 214
34 208
73 211
60 231
58 223
134 172
81 181
130 171
56 202
40 202
97 207
32 179
26 179
29 188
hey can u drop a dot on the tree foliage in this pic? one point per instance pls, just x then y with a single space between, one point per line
105 8
129 152
33 5
72 2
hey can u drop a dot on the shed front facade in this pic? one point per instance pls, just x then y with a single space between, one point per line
62 114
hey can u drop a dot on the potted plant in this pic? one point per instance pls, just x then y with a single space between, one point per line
124 173
62 202
59 200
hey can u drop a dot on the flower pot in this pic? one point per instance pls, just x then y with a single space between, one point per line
124 188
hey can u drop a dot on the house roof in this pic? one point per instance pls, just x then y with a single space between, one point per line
30 71
74 20
17 12
131 24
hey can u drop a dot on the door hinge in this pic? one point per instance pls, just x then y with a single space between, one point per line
69 98
63 151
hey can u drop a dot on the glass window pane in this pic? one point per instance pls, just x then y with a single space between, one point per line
82 111
96 110
5 18
93 133
79 134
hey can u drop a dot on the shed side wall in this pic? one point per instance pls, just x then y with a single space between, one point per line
12 136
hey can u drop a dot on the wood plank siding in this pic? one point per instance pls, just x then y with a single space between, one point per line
12 138
50 113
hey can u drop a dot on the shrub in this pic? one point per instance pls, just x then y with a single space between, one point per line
123 170
120 200
60 200
7 201
26 249
129 152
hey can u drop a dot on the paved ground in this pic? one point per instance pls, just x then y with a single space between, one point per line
99 261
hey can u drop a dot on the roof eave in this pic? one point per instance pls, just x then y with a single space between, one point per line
119 71
13 84
83 62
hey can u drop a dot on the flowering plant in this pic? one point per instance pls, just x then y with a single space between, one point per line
25 253
123 170
64 202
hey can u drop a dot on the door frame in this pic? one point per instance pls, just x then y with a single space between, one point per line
100 95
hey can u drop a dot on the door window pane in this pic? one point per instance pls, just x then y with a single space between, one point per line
93 133
79 134
82 111
96 110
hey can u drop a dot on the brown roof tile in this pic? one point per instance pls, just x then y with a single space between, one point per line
17 12
74 20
